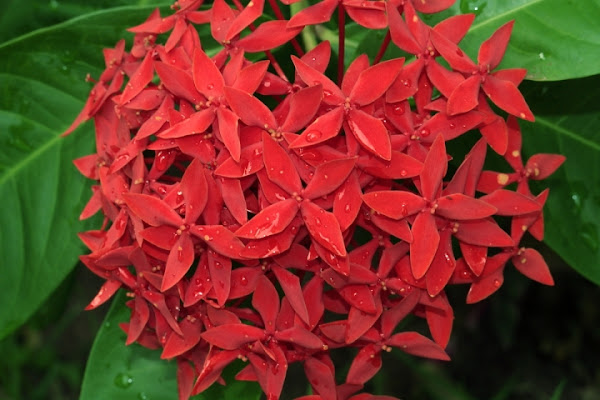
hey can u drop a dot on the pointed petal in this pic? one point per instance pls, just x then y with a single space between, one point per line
207 77
393 316
395 204
374 81
142 76
323 128
266 301
270 221
158 301
220 274
232 336
458 206
228 130
108 289
347 202
328 177
456 27
234 199
424 245
434 169
250 110
492 50
418 345
197 123
360 322
220 239
531 264
544 165
484 232
511 203
177 345
152 210
474 256
442 266
290 284
400 166
279 166
360 297
457 59
332 94
179 262
267 36
323 227
491 279
506 96
365 365
371 133
303 107
465 97
400 34
314 14
299 336
321 378
178 82
195 191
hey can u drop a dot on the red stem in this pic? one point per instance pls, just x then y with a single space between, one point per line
341 41
383 48
272 59
279 15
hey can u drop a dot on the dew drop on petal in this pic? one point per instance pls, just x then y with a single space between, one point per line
497 283
398 109
313 136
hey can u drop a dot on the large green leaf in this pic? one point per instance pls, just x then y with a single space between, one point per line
42 89
118 372
18 17
552 39
568 122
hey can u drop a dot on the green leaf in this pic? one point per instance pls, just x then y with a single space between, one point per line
42 89
567 122
115 371
17 19
552 39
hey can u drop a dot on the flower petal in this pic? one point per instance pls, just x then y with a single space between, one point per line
424 245
323 227
418 345
395 204
371 133
270 221
531 264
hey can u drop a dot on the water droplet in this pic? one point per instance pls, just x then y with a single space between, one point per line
123 158
542 56
267 84
162 161
589 234
497 283
218 265
347 208
210 86
180 253
472 6
107 324
425 132
123 380
179 197
459 52
143 396
406 83
313 136
243 281
449 260
398 109
404 209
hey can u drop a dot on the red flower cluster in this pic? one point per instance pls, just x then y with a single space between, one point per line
253 218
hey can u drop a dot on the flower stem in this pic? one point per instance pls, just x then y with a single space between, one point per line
279 15
383 48
341 41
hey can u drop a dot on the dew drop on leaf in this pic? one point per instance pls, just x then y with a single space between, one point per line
123 380
472 6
